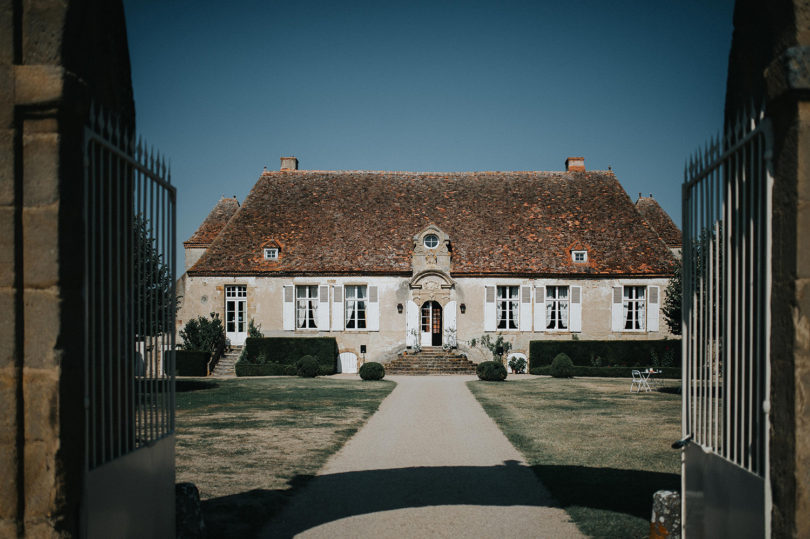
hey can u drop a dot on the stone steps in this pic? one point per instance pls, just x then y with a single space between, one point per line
225 365
430 361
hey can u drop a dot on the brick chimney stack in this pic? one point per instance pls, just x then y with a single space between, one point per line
289 163
575 164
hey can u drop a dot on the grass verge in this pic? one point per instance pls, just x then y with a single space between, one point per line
249 443
600 450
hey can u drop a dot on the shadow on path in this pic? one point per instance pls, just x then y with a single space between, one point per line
312 501
622 491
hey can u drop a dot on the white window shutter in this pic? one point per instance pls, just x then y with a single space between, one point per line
288 310
323 308
337 308
525 308
449 316
411 323
575 310
617 310
540 308
653 306
373 311
489 308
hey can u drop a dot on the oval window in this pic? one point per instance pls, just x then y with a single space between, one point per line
431 241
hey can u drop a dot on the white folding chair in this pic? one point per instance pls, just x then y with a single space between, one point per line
639 382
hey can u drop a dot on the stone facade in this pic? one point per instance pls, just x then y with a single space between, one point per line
204 295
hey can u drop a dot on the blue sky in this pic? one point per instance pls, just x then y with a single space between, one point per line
224 89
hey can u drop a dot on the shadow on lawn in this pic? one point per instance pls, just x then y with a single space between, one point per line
181 386
622 491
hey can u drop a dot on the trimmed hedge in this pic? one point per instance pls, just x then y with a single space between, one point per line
607 353
268 369
608 372
191 363
288 350
491 371
372 370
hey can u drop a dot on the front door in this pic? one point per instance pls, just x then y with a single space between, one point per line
235 314
431 334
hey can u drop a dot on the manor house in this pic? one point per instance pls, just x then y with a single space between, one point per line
385 261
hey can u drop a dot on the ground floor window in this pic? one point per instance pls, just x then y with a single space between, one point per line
506 308
633 303
356 306
306 312
556 307
235 304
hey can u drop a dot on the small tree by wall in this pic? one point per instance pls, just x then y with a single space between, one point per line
672 303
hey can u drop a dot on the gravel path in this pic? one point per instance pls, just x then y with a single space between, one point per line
429 463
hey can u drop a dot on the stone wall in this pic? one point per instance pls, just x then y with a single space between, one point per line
54 56
770 65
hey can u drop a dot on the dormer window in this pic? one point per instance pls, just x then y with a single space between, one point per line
579 257
271 253
431 241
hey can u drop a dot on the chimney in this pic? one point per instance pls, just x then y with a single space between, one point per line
289 163
575 164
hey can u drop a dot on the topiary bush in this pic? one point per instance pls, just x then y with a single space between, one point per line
562 367
491 371
307 367
372 370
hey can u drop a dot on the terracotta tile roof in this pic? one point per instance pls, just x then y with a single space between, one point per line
214 223
499 223
659 220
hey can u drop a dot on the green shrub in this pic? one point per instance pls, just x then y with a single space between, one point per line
288 350
203 335
254 330
372 370
491 371
307 367
562 367
518 365
607 353
268 369
191 363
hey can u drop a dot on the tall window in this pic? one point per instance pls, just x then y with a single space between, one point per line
556 307
634 303
306 303
506 308
356 307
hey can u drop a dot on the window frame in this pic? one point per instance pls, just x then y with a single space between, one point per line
633 305
552 299
509 306
267 251
350 306
313 305
584 254
431 235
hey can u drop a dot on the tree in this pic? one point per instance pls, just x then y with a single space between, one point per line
672 303
203 335
153 287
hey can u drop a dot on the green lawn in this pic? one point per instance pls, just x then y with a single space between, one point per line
601 450
249 443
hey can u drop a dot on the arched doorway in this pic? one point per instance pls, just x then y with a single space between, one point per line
431 324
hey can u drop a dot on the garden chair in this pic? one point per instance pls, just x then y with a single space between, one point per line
639 382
